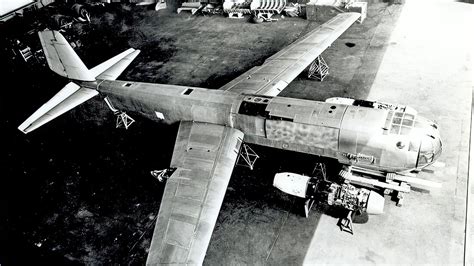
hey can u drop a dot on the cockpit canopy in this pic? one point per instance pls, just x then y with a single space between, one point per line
423 133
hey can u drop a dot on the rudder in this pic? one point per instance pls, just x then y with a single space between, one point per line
61 58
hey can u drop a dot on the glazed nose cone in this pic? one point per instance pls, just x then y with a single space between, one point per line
431 144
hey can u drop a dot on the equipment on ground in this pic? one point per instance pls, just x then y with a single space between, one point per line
343 195
265 9
192 7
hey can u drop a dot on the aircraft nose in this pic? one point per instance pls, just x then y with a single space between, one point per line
431 144
438 148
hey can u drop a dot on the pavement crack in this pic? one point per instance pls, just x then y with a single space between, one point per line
279 230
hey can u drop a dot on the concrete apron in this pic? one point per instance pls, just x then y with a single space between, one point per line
429 66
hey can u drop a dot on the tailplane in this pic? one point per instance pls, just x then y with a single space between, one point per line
113 67
64 61
69 97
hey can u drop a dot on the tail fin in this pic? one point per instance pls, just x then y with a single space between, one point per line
61 57
63 60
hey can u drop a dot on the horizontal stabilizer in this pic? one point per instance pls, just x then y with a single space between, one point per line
61 58
69 97
103 67
112 72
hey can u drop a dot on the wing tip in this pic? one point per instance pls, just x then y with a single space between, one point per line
23 128
27 126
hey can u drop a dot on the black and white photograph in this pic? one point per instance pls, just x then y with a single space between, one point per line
236 132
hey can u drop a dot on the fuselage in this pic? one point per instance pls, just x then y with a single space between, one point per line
377 139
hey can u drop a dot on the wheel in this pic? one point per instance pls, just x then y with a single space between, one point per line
257 19
59 21
359 217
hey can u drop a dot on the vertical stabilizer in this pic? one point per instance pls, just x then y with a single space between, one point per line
61 57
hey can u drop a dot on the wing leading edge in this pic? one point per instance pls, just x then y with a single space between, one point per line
280 69
204 155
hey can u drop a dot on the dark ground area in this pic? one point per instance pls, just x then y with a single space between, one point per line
78 191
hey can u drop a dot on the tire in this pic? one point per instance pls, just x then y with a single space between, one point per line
257 20
360 217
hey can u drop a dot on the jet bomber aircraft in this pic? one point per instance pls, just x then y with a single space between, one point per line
214 124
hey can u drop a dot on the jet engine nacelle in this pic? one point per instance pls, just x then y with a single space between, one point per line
293 184
81 12
345 195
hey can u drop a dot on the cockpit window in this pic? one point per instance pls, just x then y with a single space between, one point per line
409 116
430 142
407 122
425 159
430 150
402 123
426 153
414 146
395 129
405 131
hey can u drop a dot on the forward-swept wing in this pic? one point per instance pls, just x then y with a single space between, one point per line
204 157
280 69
